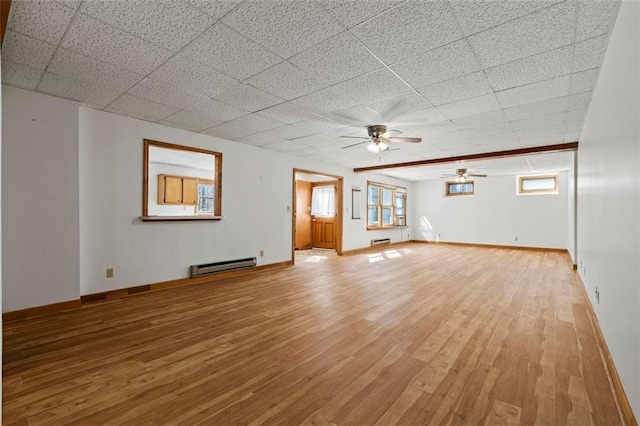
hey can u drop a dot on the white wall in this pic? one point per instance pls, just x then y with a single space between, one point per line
40 216
494 215
608 200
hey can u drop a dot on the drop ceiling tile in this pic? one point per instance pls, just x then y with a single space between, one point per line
544 66
87 93
475 16
285 81
74 65
446 139
141 108
469 107
535 92
457 89
576 115
44 20
393 108
248 98
544 30
325 101
491 140
100 41
428 24
281 28
337 59
317 125
168 24
287 132
190 121
20 76
542 139
229 131
536 109
74 4
581 100
164 93
574 126
358 116
584 81
28 51
289 146
494 129
431 130
589 53
192 76
288 112
571 137
215 8
218 110
544 120
423 117
351 13
595 18
242 57
501 146
541 131
257 122
259 139
374 86
481 120
444 63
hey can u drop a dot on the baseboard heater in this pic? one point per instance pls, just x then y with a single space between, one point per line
227 265
380 242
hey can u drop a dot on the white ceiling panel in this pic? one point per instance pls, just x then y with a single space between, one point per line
532 34
192 76
579 101
358 116
497 139
247 97
325 101
74 4
374 86
288 112
229 131
27 51
75 65
476 16
288 132
595 17
216 109
164 93
141 108
396 107
588 54
351 13
215 8
536 109
425 25
544 66
288 146
583 81
544 120
77 90
168 24
20 76
242 57
481 120
257 122
576 115
281 28
337 59
285 81
318 125
430 130
190 121
100 41
457 89
535 92
44 20
259 139
470 107
444 63
423 117
494 129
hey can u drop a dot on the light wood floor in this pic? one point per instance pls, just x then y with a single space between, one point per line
417 334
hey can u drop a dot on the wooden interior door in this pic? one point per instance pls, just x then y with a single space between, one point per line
323 228
303 215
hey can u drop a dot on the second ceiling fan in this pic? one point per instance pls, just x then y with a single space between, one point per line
461 175
379 137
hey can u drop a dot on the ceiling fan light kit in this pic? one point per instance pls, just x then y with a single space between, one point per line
377 147
379 137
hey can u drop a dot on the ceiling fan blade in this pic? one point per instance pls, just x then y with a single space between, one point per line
401 139
475 175
352 145
387 134
356 137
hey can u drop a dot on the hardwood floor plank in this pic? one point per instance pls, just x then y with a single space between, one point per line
425 334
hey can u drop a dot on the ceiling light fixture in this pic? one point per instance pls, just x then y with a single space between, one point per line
377 147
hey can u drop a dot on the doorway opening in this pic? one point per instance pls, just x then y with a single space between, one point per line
317 212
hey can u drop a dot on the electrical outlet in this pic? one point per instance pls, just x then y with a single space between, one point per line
288 209
261 253
109 272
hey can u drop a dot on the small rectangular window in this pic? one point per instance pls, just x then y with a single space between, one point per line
537 184
457 188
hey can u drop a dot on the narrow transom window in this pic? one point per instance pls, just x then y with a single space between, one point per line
458 188
537 184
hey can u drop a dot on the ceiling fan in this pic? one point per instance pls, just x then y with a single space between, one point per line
461 175
379 137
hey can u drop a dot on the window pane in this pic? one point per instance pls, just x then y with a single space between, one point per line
548 184
373 194
372 217
460 188
387 216
399 204
323 201
387 196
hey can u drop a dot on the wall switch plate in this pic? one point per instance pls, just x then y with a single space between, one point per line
261 253
109 272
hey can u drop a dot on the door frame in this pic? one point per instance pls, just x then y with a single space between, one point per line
339 207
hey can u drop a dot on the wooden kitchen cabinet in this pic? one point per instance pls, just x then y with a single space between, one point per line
182 190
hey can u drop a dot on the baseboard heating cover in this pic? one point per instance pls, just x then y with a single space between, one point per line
227 265
380 242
